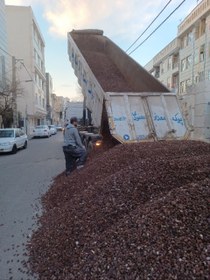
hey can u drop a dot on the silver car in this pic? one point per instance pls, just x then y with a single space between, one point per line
12 139
53 129
41 131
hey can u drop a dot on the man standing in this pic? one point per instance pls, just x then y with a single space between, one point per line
74 150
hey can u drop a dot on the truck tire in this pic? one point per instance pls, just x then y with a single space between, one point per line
90 147
85 143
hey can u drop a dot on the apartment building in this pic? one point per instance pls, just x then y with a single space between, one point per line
194 35
3 45
49 92
26 44
58 107
186 60
5 77
184 67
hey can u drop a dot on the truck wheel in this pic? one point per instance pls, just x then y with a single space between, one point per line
85 144
90 147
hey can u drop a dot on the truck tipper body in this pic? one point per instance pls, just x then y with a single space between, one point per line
117 90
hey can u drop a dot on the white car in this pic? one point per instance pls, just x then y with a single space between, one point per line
53 129
41 131
59 127
12 139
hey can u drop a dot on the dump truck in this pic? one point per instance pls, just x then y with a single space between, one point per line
124 99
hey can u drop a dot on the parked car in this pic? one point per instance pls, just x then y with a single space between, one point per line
53 129
59 127
12 139
41 131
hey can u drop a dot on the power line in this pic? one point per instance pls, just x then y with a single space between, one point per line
157 27
27 71
149 26
18 60
23 64
6 52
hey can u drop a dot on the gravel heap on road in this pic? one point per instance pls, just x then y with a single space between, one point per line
139 211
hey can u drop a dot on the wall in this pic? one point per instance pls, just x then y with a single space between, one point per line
196 109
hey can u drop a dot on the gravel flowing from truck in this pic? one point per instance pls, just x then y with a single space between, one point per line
137 211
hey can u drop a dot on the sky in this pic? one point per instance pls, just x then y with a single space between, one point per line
121 20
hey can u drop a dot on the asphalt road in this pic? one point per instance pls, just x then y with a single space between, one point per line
24 177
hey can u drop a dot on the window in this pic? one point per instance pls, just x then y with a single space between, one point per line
79 67
197 32
175 61
35 54
157 72
169 82
17 133
202 53
189 82
189 38
184 42
201 76
40 82
200 28
189 61
165 65
162 68
39 61
37 78
196 57
175 81
182 86
209 75
183 64
84 77
203 26
76 59
169 62
196 78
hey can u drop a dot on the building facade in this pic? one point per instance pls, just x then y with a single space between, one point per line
186 60
4 58
74 109
26 43
3 45
49 92
165 65
184 67
58 105
194 36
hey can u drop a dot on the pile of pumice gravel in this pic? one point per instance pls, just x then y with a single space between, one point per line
137 211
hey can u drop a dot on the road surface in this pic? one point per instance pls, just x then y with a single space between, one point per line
24 177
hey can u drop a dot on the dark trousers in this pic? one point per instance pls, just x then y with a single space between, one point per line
72 154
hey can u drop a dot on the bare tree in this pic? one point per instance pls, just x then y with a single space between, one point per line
8 102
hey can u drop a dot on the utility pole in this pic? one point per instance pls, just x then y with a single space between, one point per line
14 93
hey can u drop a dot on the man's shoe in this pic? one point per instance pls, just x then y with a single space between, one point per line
80 166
